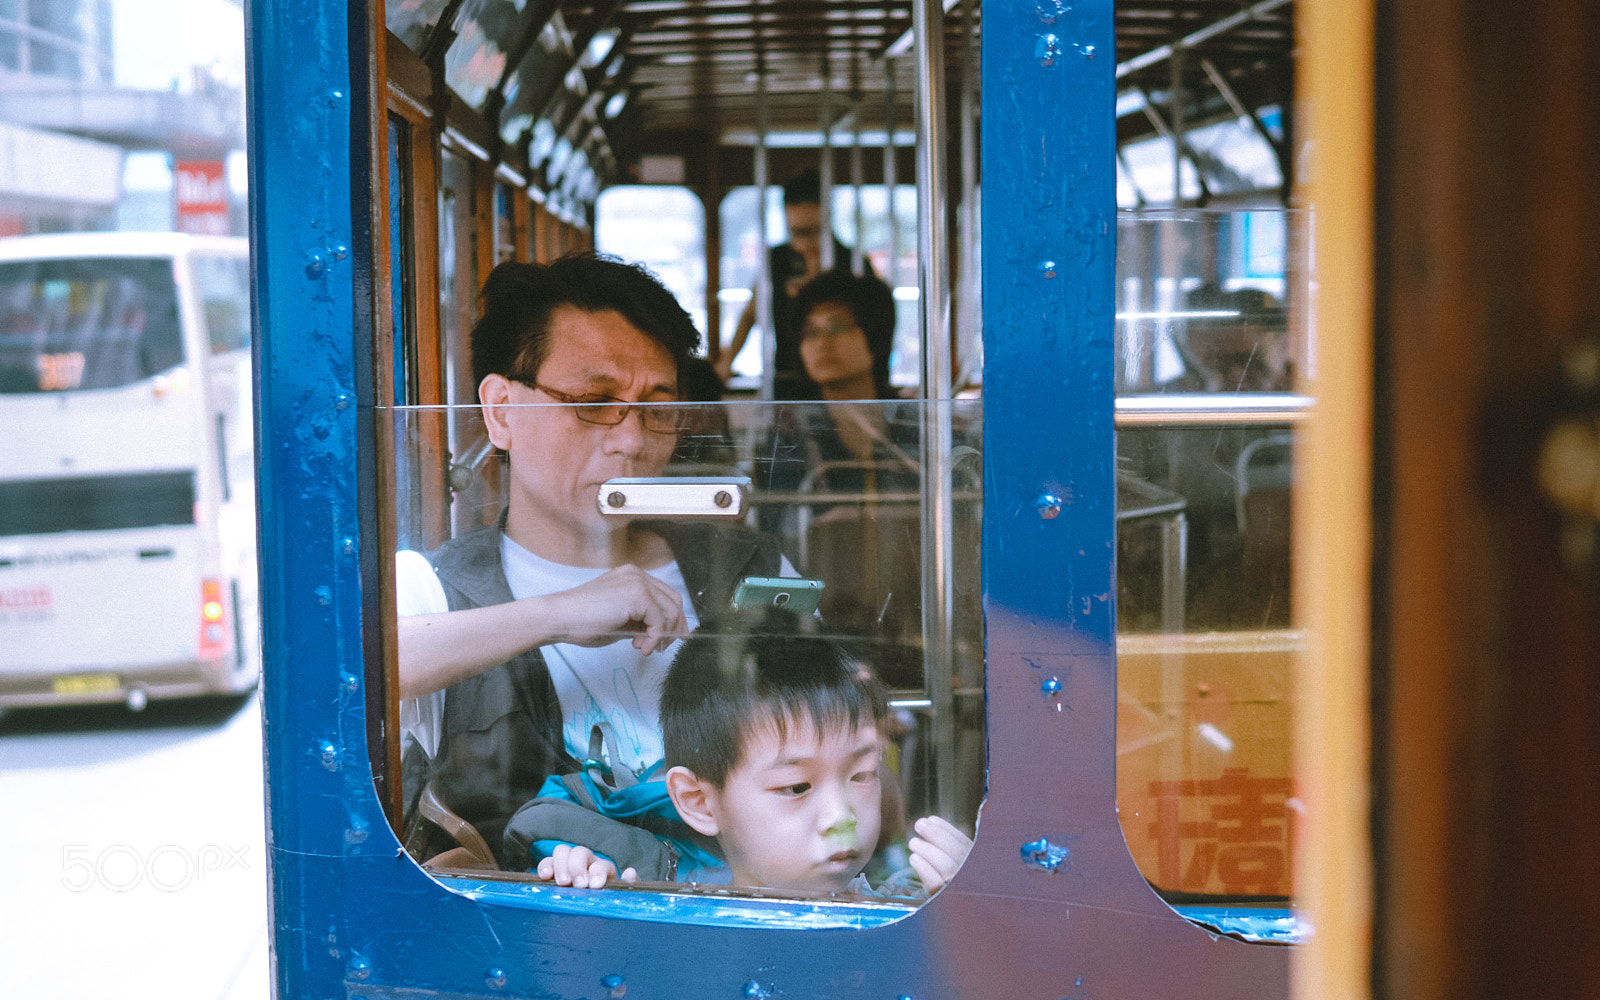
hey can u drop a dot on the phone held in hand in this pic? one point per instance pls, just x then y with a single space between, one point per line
790 593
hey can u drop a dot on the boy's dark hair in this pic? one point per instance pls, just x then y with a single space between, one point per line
512 336
804 188
871 303
742 671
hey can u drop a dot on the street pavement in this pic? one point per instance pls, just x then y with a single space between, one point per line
132 853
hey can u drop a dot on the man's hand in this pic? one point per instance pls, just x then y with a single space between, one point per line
580 868
937 851
623 601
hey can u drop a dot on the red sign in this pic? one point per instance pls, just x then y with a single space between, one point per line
1242 840
202 192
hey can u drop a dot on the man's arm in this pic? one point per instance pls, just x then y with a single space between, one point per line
741 333
439 650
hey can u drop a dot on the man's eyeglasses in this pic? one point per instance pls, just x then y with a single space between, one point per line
608 411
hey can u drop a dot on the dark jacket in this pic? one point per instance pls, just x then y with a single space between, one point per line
501 733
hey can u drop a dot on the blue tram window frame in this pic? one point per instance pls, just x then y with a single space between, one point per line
1050 898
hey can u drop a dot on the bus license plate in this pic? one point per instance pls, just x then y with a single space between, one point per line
85 684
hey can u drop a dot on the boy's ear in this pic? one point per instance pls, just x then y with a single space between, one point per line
494 393
695 800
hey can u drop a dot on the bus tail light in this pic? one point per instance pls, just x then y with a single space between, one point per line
213 626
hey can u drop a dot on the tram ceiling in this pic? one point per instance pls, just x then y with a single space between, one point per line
1203 59
607 75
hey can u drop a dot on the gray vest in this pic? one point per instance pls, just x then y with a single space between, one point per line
501 735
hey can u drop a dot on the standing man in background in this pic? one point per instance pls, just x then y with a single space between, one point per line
791 265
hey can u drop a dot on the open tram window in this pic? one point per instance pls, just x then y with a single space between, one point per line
511 684
1205 471
662 227
515 688
887 235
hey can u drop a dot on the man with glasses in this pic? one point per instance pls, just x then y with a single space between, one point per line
517 639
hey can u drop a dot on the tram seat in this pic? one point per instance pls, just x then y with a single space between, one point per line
1263 473
869 556
473 851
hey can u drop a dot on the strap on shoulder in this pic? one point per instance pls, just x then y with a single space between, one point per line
605 771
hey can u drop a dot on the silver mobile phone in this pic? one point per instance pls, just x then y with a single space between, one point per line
676 496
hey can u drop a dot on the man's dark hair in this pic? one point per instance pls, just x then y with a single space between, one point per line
871 303
742 671
512 336
804 188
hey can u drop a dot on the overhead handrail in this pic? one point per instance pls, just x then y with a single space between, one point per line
1155 55
1212 409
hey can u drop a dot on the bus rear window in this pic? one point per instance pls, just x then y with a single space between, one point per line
92 323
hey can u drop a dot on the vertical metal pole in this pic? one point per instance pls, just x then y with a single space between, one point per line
1175 108
1174 572
938 592
825 174
971 287
858 249
769 337
889 182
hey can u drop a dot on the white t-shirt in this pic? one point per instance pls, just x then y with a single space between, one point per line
614 683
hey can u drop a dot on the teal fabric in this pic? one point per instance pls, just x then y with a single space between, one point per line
644 804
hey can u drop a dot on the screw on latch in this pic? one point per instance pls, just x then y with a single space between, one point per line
723 498
1568 459
616 498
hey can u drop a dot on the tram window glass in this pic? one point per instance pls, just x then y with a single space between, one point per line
412 19
663 228
740 257
400 252
459 239
505 222
1205 640
818 507
1203 302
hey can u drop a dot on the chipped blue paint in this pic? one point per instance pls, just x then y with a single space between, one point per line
353 915
1043 854
706 910
1274 926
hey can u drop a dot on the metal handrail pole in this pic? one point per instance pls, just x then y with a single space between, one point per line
971 287
825 174
938 591
764 324
858 249
889 168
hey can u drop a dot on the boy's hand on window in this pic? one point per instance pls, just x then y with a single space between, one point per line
937 851
581 868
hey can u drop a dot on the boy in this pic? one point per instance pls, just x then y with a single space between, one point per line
773 748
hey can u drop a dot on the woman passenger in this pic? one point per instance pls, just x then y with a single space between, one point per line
861 442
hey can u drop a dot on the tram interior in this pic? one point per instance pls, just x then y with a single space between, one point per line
650 130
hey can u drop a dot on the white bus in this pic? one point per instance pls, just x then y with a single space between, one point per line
127 473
